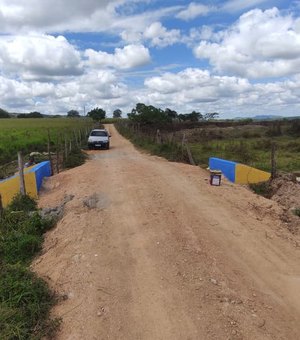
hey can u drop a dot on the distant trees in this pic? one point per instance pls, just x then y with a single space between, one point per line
33 114
4 114
191 117
97 114
211 115
148 114
117 113
73 114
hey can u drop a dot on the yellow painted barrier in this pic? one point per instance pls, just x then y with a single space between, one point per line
245 174
11 187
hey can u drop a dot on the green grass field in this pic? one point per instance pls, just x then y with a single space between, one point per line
250 145
29 135
254 152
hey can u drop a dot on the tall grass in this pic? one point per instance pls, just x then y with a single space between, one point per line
29 135
25 299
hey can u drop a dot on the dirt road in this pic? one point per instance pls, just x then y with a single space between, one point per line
147 249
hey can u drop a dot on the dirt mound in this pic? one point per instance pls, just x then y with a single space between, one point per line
286 191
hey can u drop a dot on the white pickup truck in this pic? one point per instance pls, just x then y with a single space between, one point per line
98 138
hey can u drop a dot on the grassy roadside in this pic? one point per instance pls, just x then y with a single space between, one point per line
171 151
250 145
25 299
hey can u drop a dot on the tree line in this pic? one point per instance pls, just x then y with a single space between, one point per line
142 113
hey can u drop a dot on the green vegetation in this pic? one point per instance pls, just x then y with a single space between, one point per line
169 150
243 142
254 152
117 113
75 158
263 189
31 134
97 114
4 114
34 114
296 212
25 299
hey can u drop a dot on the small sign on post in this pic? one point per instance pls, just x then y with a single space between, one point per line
21 174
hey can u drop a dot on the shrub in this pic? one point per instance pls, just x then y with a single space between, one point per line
296 212
76 158
264 189
22 203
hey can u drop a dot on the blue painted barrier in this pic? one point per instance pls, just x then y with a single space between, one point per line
227 167
41 170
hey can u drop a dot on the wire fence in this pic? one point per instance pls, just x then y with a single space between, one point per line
197 145
59 150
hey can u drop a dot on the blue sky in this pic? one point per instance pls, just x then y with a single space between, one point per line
237 57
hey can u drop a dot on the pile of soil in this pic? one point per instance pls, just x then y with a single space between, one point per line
286 191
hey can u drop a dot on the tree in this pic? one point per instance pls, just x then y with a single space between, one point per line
171 113
33 114
148 114
191 117
4 114
211 115
97 114
73 114
117 113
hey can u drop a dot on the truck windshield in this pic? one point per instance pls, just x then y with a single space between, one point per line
99 133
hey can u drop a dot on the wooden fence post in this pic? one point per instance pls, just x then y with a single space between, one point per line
1 206
158 137
57 155
66 148
21 174
49 152
184 144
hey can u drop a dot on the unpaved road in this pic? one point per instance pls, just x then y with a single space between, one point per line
147 249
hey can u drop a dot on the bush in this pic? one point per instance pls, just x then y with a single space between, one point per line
76 158
22 203
264 189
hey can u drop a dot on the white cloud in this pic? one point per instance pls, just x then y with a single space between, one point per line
77 16
160 36
193 11
239 5
124 58
198 89
38 56
260 44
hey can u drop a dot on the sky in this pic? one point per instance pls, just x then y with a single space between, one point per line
239 58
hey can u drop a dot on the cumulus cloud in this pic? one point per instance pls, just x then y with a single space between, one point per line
124 58
197 84
35 14
260 44
77 16
193 11
160 36
198 89
38 56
